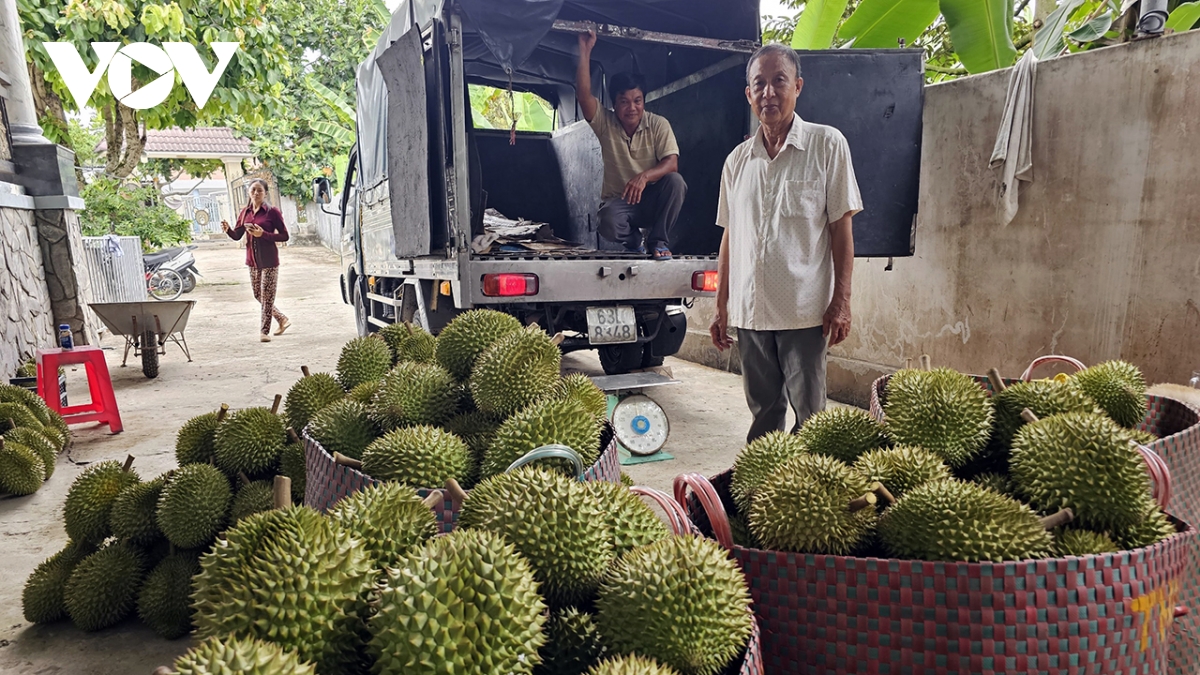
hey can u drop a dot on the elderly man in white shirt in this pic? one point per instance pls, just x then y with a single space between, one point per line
787 198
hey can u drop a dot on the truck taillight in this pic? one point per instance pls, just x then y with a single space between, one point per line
705 282
507 285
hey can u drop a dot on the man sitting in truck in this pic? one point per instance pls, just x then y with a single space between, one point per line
642 186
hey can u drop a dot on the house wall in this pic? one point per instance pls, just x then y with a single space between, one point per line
28 322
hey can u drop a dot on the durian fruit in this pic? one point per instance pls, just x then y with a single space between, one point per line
517 370
193 506
21 469
52 423
164 604
1082 542
952 520
292 465
364 393
462 603
415 393
632 522
390 520
941 410
1043 397
626 480
345 427
249 441
842 433
580 387
902 468
291 576
804 507
739 527
1118 388
682 599
363 359
42 598
563 422
421 456
252 497
631 665
997 482
132 518
13 415
103 587
409 343
468 335
310 394
36 440
224 655
758 461
478 430
572 643
90 499
1154 527
553 522
196 441
1082 461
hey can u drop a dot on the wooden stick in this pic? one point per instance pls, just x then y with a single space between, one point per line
282 492
222 412
862 502
304 370
558 339
1028 416
456 492
1054 520
292 435
128 463
926 364
275 405
433 499
347 461
243 477
997 381
883 493
908 363
162 670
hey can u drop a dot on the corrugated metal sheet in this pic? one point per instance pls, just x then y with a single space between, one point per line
115 278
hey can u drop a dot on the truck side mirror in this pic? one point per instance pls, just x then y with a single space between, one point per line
322 193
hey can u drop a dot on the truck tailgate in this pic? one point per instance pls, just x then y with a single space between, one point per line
587 278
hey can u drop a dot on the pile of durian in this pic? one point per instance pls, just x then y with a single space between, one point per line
1042 468
31 436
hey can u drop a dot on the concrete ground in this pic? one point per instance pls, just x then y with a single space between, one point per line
707 413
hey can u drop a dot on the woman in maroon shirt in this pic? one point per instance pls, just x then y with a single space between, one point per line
264 224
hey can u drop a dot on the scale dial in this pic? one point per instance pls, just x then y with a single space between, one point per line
640 425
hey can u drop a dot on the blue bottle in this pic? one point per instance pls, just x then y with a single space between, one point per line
64 336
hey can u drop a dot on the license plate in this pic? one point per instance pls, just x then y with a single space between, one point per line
611 325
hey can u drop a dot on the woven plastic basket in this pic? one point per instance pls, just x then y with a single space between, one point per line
328 482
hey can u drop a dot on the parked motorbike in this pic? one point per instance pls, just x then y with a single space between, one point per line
178 259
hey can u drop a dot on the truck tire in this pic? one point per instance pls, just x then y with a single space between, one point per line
150 354
360 312
620 359
649 360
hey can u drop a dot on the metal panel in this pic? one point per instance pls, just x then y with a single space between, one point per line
115 278
875 97
582 169
408 145
595 280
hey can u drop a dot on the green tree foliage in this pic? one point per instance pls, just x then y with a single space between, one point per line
128 209
493 108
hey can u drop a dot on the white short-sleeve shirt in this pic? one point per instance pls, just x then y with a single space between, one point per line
776 213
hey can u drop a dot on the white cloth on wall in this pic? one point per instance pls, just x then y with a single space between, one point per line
1013 154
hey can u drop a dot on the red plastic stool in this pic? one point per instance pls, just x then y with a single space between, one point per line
102 409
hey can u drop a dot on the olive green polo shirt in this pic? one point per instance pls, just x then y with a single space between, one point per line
626 156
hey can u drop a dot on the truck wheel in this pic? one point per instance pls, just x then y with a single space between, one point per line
360 313
648 358
150 354
620 359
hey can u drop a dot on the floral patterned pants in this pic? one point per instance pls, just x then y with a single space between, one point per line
264 282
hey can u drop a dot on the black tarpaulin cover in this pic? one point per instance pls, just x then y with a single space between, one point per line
512 29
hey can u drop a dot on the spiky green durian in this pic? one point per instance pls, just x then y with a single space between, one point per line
311 570
13 415
418 457
364 393
633 523
739 527
553 521
1154 527
463 603
389 518
802 507
997 482
103 587
842 433
1083 461
572 643
941 410
42 598
133 513
220 655
52 422
409 343
196 441
580 387
477 429
164 604
291 464
902 468
957 521
626 480
1043 397
517 370
251 497
631 665
36 440
415 393
90 499
758 461
468 335
563 422
1118 388
344 426
249 441
21 469
682 599
363 359
309 395
1082 542
194 505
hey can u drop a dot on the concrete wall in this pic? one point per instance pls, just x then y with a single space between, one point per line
323 226
1103 258
28 324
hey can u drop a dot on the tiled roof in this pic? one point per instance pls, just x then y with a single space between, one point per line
199 140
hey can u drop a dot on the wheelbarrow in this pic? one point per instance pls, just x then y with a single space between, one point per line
147 328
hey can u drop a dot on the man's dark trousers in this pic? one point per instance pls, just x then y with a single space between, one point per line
621 222
781 367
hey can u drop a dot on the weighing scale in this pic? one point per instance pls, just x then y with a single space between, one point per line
641 425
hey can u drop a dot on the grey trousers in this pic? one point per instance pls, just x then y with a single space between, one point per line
622 222
781 367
